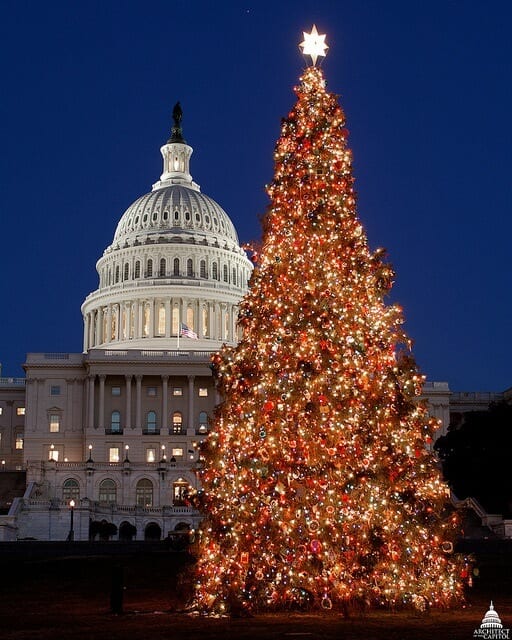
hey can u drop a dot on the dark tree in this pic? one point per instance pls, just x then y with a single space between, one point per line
476 458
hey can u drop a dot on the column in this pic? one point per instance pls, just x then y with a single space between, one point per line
108 337
68 422
101 406
99 327
165 387
128 410
91 402
91 329
138 402
86 332
168 318
191 403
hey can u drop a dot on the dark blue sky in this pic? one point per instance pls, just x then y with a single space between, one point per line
87 93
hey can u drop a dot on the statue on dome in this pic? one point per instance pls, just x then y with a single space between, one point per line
176 132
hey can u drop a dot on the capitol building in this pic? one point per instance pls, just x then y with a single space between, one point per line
112 433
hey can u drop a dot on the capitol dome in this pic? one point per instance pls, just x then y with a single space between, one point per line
491 619
174 263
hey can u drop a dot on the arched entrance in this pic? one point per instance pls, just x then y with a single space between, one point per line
152 531
127 531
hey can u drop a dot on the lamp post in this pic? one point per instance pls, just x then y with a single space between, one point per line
71 535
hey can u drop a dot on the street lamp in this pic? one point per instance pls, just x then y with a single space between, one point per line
90 454
71 534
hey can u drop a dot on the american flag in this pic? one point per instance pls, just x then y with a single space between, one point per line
188 333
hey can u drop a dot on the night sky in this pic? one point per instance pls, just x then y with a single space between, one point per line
87 95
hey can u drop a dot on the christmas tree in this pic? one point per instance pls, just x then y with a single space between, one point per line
319 489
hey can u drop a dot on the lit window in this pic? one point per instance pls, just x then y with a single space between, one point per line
70 490
150 454
1 410
144 493
20 411
107 491
19 441
54 423
179 492
116 391
113 454
177 391
55 390
203 392
203 422
53 455
151 391
177 422
178 452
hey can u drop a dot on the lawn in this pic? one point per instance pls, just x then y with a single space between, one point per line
64 595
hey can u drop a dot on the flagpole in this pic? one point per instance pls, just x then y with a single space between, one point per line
178 340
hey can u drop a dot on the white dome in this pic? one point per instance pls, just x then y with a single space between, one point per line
174 262
172 211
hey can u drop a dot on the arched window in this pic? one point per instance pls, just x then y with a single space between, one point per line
190 268
225 272
179 492
176 267
117 273
137 269
151 422
175 320
149 270
70 490
202 269
115 422
215 274
203 422
205 321
190 317
107 491
177 422
161 319
144 493
162 267
126 269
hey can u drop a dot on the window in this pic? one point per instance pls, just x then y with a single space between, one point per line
177 391
203 422
149 269
20 411
215 274
233 279
1 410
162 267
54 423
70 490
203 392
117 274
190 268
126 268
176 267
116 391
115 422
151 391
114 454
161 319
107 491
225 273
151 422
150 454
177 422
177 452
55 390
19 441
179 492
137 269
144 493
202 269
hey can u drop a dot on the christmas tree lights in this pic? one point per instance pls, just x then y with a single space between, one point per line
319 489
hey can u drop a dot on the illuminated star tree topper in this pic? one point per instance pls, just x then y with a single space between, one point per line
314 45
